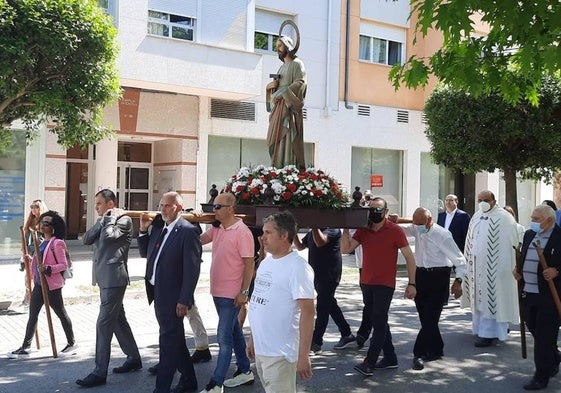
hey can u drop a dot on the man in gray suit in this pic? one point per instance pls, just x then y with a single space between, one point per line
111 237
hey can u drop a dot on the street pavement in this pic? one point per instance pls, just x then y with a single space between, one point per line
463 369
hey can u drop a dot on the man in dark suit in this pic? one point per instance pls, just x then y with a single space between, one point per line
111 237
538 307
172 271
455 220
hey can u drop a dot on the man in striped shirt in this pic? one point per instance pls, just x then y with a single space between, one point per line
538 306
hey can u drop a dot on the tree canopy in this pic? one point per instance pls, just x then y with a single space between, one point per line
485 133
58 62
521 45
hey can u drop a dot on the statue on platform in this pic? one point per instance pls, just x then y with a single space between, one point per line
285 100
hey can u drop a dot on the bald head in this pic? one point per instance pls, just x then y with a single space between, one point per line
422 216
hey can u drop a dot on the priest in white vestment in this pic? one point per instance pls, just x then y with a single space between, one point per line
489 289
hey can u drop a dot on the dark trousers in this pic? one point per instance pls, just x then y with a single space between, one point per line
432 288
174 354
326 305
57 304
377 301
365 324
112 320
543 322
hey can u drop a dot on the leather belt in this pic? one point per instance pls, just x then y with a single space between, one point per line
434 269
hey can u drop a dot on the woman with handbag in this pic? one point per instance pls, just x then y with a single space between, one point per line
53 252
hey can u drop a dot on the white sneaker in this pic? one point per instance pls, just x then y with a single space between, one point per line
19 353
69 349
213 388
240 379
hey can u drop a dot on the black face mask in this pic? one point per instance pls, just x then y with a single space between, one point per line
375 217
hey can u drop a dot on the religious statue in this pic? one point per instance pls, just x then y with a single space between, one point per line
285 100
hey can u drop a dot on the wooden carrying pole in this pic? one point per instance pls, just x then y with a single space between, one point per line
522 322
204 218
544 266
45 291
28 281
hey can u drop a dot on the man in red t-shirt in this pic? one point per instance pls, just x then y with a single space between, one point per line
380 243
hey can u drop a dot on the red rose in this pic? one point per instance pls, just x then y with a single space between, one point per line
273 175
239 188
245 195
286 195
291 187
318 193
255 191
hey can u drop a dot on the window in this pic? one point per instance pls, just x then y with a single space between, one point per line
104 4
378 50
265 42
171 26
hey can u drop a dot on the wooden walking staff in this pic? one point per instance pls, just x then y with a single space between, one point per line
28 276
45 291
522 322
544 266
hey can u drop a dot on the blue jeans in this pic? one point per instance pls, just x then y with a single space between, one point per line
229 335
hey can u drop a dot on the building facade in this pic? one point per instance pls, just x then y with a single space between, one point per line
193 75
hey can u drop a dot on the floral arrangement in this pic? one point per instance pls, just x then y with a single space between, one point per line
290 186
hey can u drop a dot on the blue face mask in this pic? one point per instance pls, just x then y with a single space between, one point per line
536 227
421 228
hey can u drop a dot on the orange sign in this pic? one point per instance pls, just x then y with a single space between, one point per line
376 180
128 109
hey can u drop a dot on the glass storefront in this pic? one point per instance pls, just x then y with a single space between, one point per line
430 175
227 155
12 193
380 171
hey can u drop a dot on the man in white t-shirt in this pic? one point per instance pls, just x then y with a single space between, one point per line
282 302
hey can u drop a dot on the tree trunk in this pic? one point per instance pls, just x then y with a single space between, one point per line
511 195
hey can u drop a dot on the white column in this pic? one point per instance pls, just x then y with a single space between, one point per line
35 168
103 173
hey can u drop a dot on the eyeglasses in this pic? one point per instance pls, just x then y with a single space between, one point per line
218 206
46 223
34 206
377 209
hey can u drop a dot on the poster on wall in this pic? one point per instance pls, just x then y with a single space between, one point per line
376 181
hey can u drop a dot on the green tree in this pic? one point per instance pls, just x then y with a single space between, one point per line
57 61
485 133
522 44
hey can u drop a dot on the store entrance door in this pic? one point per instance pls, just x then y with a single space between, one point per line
133 186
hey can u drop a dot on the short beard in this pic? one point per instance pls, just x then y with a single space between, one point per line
282 54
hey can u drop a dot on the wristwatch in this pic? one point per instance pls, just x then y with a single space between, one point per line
245 292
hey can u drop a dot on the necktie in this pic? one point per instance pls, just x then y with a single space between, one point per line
152 259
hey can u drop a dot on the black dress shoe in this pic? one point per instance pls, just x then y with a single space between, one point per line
128 366
418 364
185 385
201 356
484 342
154 369
91 380
555 371
535 385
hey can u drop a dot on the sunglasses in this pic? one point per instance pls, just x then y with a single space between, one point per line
46 223
218 206
34 206
377 209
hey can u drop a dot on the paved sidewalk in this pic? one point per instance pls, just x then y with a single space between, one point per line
464 369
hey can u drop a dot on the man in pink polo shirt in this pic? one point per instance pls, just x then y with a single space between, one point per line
230 276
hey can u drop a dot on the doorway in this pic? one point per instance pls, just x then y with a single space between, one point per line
133 186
